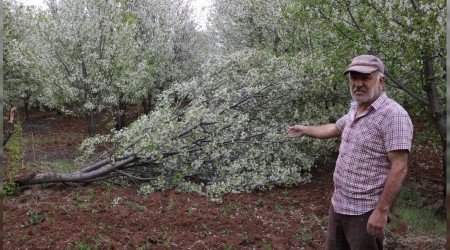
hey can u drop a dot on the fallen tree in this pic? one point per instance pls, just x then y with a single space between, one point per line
224 133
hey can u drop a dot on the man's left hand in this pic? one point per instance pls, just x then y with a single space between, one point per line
377 223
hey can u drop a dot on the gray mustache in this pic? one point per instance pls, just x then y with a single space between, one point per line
360 89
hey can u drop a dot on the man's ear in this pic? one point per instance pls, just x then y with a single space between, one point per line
381 82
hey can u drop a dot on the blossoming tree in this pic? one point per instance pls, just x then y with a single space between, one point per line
219 126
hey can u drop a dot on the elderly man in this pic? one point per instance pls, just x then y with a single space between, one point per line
372 162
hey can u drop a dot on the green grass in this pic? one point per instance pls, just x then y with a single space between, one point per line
15 146
64 166
191 210
409 198
82 246
420 220
223 214
225 231
245 238
260 202
265 245
164 241
171 205
56 165
137 207
279 209
227 247
60 164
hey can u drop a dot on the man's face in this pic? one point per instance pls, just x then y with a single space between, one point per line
365 88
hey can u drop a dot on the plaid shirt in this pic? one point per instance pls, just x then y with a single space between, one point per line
363 165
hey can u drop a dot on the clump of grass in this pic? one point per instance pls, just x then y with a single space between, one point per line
285 193
137 207
420 220
260 202
82 246
233 206
223 214
191 210
409 198
225 231
171 205
33 218
164 241
227 247
245 238
265 244
279 209
56 165
14 145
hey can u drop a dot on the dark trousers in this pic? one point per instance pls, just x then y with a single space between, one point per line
350 232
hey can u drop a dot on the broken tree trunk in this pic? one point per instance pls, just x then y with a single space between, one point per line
91 174
9 128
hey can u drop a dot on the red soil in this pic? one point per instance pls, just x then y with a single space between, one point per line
107 217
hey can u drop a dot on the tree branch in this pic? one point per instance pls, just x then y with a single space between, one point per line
415 5
410 92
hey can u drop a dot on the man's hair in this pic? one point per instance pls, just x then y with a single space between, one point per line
379 75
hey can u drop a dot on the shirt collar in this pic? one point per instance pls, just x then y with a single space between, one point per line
375 105
379 101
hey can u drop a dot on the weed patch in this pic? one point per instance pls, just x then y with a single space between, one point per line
171 205
413 220
420 221
33 218
137 207
14 145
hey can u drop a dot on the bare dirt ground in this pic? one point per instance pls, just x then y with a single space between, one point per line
103 216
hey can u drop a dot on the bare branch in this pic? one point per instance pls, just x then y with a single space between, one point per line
135 177
410 92
355 23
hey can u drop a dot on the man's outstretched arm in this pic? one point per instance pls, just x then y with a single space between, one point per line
322 131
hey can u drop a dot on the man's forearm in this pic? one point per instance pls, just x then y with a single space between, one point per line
323 131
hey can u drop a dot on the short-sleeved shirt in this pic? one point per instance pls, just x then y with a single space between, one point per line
363 165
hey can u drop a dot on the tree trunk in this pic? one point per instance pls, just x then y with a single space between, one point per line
147 103
439 118
92 120
121 114
436 111
26 104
